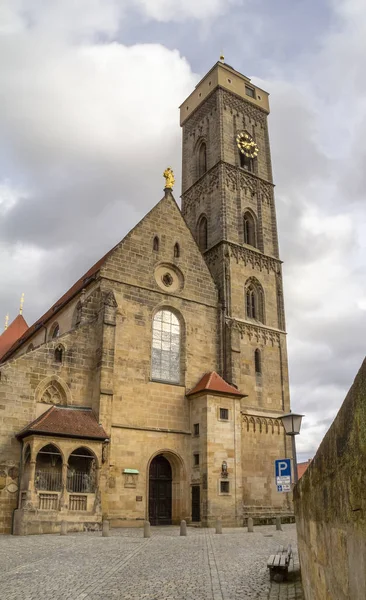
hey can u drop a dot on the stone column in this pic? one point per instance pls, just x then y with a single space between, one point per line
32 473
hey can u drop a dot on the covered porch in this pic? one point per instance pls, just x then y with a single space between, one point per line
62 454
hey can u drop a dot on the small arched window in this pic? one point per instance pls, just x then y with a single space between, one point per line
30 348
156 244
176 250
59 354
258 362
250 233
165 360
55 331
76 319
202 159
254 301
202 233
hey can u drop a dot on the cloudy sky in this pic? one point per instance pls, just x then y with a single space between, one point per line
89 96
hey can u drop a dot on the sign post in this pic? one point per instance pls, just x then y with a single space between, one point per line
283 474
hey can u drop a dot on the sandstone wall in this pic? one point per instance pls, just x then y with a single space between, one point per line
22 382
330 506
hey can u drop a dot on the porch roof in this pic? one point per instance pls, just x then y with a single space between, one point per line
213 383
66 422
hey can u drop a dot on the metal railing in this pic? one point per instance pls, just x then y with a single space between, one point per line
48 480
80 482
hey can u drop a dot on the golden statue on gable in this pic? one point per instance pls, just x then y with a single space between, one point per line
169 178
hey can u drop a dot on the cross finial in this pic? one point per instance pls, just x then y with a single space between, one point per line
222 57
21 304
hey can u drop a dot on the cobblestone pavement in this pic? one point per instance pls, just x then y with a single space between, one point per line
201 566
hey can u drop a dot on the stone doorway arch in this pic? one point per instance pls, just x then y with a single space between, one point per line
167 489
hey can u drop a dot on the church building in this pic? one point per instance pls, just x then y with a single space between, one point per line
153 389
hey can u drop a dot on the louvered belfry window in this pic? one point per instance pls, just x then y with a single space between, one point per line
166 347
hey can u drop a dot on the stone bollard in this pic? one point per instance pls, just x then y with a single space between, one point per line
183 528
218 526
63 530
105 528
250 525
278 524
147 532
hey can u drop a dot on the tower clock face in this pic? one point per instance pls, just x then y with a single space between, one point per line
246 144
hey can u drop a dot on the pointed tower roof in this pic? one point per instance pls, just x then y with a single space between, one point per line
212 382
12 334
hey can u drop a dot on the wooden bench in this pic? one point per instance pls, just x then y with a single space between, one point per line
278 563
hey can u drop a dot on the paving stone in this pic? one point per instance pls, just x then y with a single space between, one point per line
201 566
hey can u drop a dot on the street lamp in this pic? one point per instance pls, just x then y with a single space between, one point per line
292 424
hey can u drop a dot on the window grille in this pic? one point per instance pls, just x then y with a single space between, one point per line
224 487
224 414
166 347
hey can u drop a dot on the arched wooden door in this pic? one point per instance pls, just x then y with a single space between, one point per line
160 491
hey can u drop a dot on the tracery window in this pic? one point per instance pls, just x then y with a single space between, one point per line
250 233
166 347
254 301
202 233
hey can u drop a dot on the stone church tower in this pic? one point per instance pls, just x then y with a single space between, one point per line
153 389
228 203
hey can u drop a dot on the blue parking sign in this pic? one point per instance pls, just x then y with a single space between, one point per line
283 467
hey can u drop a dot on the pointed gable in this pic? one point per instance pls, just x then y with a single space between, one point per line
213 383
12 334
162 237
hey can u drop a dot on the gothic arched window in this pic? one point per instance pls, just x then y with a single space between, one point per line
58 354
202 233
165 360
202 159
55 331
156 244
254 300
250 230
247 163
176 250
257 362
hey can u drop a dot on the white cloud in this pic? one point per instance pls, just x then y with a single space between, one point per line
88 124
173 10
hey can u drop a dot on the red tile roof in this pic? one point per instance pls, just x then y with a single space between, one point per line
75 289
12 334
212 382
66 421
301 468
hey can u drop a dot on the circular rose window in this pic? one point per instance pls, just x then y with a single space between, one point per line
169 277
